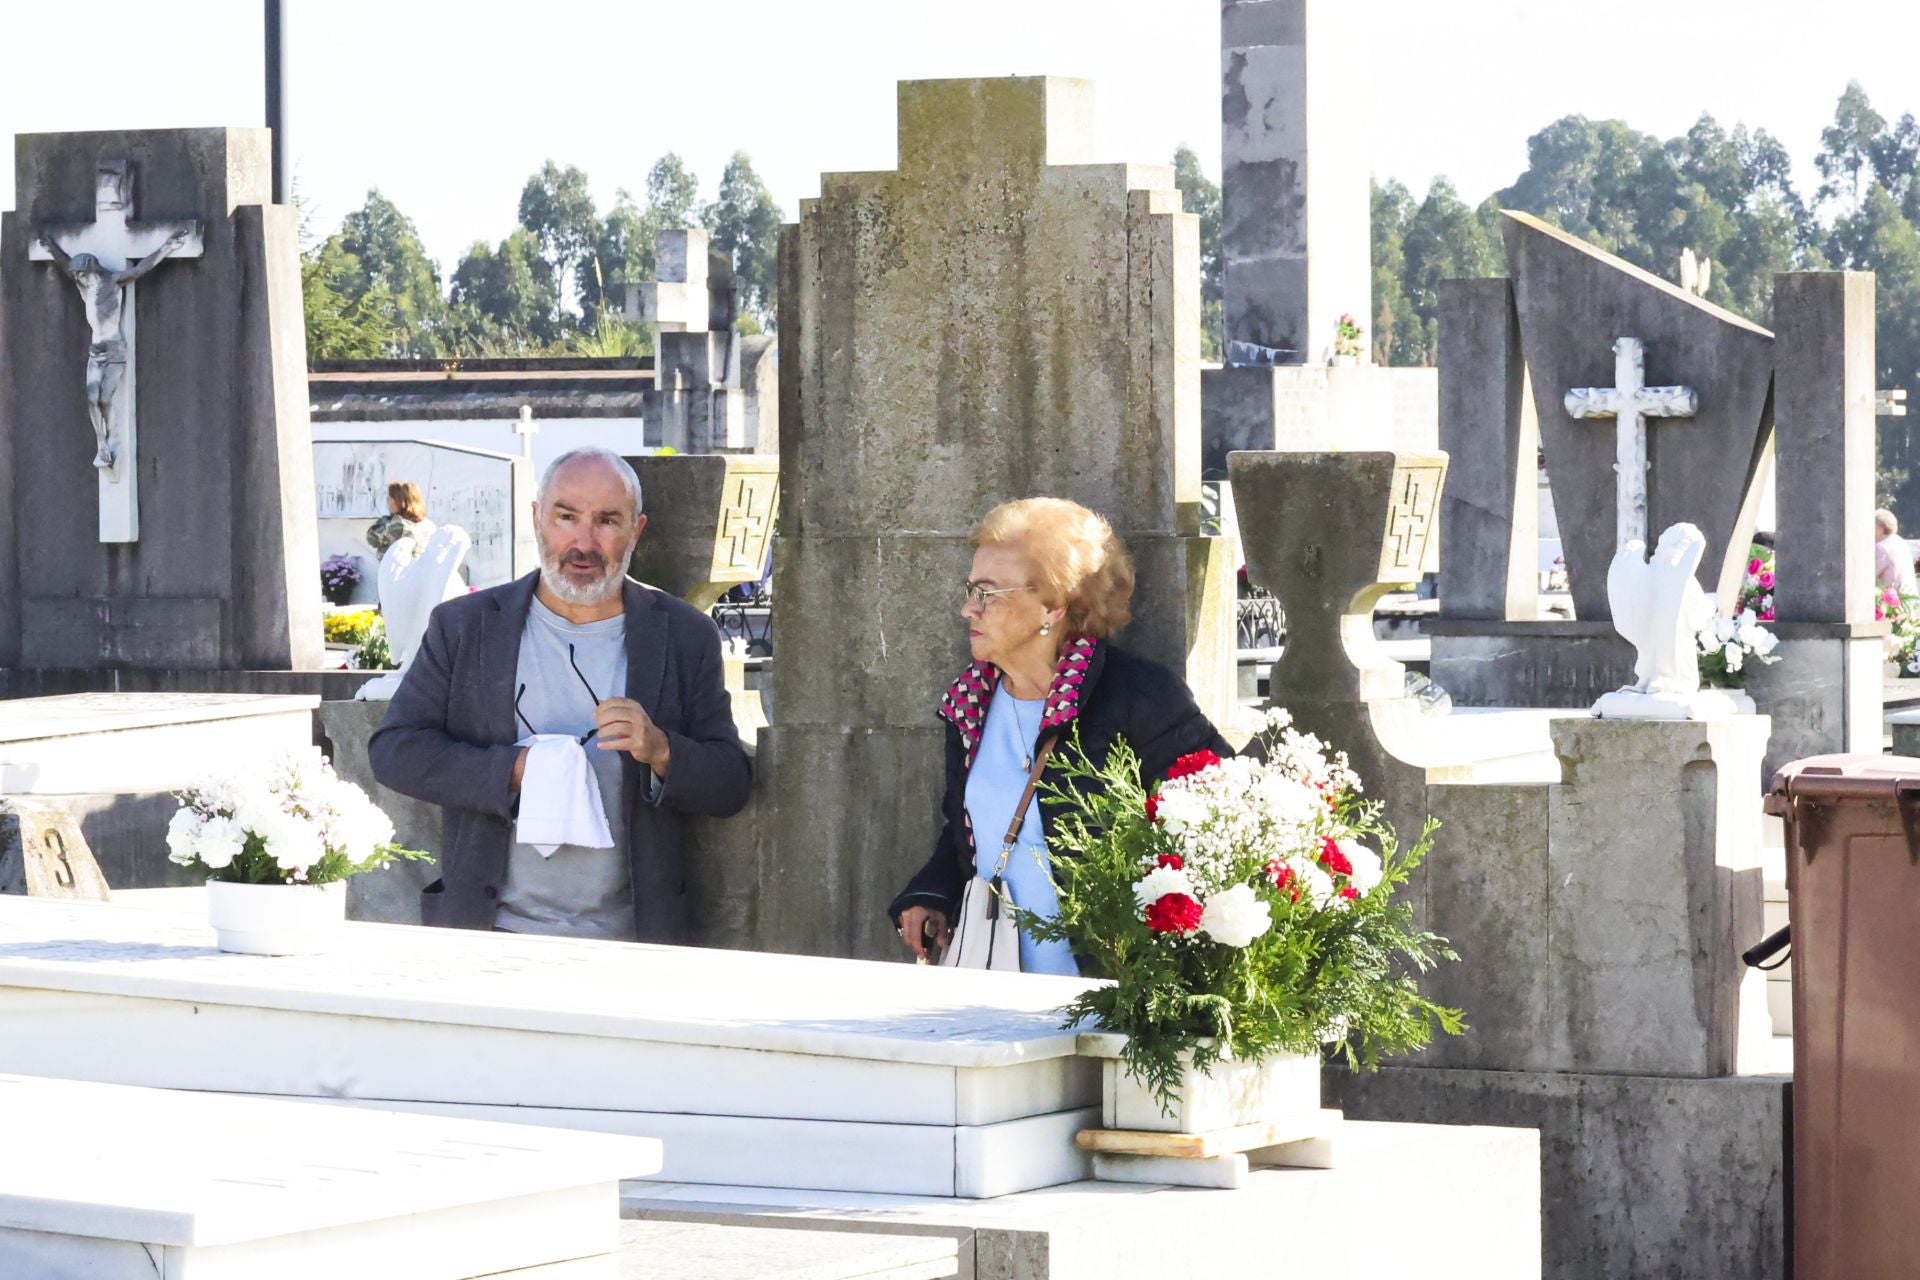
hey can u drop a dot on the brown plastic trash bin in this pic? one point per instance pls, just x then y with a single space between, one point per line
1853 885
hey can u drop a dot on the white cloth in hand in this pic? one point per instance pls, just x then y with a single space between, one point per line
560 797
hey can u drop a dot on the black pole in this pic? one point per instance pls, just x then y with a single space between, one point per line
276 33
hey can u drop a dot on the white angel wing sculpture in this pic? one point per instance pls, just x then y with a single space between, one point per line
1659 606
413 581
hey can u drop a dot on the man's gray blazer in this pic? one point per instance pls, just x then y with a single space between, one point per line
448 739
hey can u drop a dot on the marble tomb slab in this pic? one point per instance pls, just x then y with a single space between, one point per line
972 1072
124 743
105 1181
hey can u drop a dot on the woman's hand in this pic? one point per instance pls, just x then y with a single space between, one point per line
913 930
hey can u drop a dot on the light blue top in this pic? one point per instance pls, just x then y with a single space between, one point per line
994 784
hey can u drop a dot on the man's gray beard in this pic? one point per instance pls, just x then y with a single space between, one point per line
598 593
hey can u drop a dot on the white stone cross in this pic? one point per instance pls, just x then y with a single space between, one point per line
1631 402
104 258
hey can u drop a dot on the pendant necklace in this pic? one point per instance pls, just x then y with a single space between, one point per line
1026 739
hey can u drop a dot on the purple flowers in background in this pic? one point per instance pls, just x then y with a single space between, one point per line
339 575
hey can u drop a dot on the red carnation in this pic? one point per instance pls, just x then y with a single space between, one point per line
1350 893
1192 762
1283 879
1173 913
1332 859
1173 860
1153 808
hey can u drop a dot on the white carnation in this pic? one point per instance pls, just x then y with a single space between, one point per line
1734 655
1160 882
1365 862
183 834
220 843
292 842
1723 629
1236 916
1764 641
1707 641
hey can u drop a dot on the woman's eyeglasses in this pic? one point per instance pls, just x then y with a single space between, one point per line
587 684
974 593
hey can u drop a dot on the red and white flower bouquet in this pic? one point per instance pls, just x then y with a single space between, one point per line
1245 908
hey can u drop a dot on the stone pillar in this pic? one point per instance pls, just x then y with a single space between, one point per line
225 574
1825 692
1295 194
1823 388
998 318
1490 514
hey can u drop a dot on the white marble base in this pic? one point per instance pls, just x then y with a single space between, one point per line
1707 704
132 743
1476 1190
972 1161
104 1182
866 1076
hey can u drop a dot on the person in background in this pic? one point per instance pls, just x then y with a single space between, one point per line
406 517
1892 557
1050 582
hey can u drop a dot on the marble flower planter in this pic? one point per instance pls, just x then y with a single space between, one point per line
1229 1096
276 919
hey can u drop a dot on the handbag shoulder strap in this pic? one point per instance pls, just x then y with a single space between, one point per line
1012 837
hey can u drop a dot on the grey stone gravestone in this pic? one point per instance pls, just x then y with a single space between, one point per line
214 562
997 318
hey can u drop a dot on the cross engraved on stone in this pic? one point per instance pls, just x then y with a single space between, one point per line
1631 402
1410 521
743 524
104 258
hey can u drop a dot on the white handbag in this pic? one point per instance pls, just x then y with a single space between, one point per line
984 934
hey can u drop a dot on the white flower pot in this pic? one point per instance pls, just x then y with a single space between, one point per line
276 919
1285 1086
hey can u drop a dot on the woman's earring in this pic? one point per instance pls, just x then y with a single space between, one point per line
1046 628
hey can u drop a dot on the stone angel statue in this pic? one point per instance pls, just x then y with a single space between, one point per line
1657 604
414 580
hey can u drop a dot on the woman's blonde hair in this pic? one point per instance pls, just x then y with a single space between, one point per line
1078 560
406 496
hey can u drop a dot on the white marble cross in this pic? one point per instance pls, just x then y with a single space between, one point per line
103 259
1630 401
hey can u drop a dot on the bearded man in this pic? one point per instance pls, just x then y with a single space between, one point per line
576 653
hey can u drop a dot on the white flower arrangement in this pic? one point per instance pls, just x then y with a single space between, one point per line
1728 647
291 820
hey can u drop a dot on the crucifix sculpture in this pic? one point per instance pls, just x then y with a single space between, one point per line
104 258
1630 401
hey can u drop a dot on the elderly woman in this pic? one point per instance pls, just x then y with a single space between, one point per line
1050 583
406 517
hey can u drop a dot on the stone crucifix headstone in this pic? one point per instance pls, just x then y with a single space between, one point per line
104 259
1630 402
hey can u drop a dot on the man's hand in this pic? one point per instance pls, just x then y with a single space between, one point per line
625 726
913 930
519 770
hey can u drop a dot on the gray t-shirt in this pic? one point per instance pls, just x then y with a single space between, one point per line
581 893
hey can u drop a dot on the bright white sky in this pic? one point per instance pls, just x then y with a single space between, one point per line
448 105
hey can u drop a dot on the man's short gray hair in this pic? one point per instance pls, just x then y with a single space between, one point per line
1887 520
621 467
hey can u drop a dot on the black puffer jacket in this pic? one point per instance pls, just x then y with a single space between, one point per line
1121 696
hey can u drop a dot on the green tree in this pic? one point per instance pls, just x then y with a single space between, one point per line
673 193
382 264
1847 147
1879 237
623 254
505 300
557 208
1200 196
1392 208
743 222
340 326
